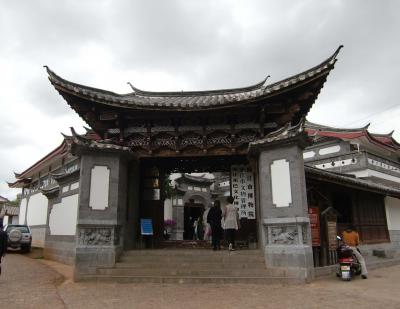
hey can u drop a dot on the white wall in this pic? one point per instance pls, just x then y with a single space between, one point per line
392 212
37 209
167 209
22 211
14 220
63 216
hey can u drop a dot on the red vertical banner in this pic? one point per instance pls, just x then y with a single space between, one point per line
313 213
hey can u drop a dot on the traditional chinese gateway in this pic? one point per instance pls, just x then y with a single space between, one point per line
85 200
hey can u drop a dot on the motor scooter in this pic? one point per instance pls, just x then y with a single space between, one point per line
349 266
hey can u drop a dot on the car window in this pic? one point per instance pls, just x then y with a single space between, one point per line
23 229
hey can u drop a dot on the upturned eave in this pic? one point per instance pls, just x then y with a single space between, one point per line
138 100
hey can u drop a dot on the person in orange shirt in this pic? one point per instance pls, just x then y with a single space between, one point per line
352 239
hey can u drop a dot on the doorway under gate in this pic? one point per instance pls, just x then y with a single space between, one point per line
176 193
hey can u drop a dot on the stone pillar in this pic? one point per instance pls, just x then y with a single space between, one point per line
101 211
284 222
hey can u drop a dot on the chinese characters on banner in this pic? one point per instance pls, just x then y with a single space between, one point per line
242 186
313 212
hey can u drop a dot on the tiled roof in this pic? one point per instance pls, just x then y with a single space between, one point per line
24 178
283 134
348 180
190 100
3 199
321 131
9 210
89 143
197 179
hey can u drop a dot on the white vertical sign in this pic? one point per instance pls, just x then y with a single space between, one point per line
242 186
99 187
280 181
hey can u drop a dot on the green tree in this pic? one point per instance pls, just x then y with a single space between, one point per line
16 201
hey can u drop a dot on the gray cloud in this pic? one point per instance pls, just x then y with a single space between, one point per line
204 44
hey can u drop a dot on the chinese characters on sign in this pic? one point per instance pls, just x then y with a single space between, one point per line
242 186
332 232
313 212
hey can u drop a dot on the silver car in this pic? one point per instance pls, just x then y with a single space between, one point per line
19 237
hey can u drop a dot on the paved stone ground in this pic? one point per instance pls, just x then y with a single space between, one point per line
34 283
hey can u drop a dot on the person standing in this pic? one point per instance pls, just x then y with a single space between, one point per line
207 227
352 239
230 222
214 218
3 243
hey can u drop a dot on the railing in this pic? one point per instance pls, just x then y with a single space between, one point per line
383 165
358 160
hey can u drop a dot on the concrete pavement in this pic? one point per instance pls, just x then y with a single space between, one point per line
35 283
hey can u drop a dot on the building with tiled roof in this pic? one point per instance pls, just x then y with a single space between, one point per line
85 199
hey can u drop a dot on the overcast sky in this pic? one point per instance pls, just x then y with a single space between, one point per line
189 45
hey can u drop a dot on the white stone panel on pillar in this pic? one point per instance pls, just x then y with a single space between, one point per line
99 187
37 210
22 212
63 216
280 181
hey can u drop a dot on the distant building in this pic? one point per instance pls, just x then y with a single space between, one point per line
8 212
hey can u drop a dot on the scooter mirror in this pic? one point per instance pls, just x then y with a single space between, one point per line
338 237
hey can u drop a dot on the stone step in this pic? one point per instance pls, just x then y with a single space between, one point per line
192 265
190 252
165 272
220 258
189 266
193 279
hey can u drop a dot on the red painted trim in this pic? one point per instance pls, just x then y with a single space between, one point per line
350 135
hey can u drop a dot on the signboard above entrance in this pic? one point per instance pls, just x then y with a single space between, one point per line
242 188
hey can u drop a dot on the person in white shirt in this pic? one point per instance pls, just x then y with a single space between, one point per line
230 222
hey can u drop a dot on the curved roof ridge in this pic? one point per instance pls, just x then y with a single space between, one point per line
199 92
327 64
379 138
314 70
53 77
387 135
313 125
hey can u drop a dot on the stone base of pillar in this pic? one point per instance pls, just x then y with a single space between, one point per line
287 250
291 262
88 260
96 247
